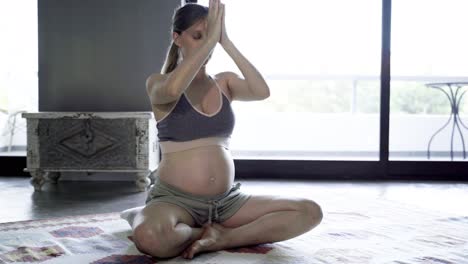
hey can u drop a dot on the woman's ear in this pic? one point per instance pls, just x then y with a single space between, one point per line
176 39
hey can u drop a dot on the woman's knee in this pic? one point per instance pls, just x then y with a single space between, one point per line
313 212
154 239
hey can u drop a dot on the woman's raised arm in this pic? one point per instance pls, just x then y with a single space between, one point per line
165 88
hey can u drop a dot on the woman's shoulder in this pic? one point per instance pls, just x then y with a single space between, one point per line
159 110
222 79
225 75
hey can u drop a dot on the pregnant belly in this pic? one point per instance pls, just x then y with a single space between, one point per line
207 170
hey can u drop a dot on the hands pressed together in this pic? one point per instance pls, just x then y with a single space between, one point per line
216 26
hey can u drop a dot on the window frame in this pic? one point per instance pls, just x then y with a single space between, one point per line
383 169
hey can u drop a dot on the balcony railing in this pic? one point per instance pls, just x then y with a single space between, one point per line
336 136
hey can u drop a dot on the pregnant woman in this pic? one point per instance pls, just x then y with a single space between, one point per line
194 205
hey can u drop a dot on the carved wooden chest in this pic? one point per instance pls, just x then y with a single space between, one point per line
91 142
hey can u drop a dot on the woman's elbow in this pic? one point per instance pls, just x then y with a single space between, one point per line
266 94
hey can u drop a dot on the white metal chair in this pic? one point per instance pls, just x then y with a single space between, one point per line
11 124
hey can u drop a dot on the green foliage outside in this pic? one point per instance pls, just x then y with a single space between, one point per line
336 97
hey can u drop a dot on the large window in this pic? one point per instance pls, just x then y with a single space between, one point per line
321 60
18 72
429 52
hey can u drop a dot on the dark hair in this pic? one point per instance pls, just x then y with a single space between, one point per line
184 17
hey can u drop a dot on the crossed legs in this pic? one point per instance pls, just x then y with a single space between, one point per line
161 229
165 230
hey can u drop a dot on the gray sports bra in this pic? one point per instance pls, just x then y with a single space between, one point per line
185 123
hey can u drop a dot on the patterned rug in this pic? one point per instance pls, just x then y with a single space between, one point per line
363 232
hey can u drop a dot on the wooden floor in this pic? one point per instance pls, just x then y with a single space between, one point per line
19 201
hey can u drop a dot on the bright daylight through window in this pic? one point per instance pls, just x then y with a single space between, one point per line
321 60
18 72
429 68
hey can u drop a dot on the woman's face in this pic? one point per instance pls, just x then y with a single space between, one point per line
190 40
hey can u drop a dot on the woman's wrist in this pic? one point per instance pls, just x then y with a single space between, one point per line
212 41
227 44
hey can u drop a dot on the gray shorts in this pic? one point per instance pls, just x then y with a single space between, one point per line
203 209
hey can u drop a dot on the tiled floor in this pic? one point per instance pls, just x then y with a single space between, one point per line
19 201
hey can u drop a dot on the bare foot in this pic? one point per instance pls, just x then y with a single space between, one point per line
130 214
213 238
